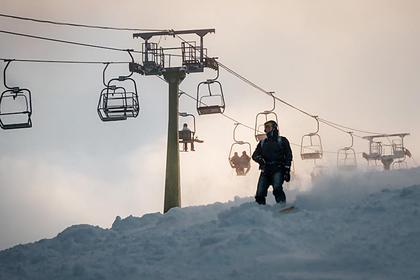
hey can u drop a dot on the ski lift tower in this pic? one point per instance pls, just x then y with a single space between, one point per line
157 62
386 153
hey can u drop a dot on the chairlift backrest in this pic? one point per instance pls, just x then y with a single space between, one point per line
311 145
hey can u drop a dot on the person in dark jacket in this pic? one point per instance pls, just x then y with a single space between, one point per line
274 156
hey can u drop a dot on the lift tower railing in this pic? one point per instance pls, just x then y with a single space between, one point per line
194 59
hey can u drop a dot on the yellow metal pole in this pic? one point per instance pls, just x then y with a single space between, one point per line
174 77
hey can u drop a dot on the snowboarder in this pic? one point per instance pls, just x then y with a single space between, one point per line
274 156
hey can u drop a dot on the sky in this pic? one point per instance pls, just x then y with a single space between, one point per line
351 62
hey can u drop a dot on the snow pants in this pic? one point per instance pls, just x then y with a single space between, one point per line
276 180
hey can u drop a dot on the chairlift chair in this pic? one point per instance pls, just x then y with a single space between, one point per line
115 102
311 145
346 157
188 136
210 97
15 106
261 118
237 143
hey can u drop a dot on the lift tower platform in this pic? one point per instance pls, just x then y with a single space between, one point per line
386 153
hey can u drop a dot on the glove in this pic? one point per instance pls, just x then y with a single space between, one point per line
260 161
286 175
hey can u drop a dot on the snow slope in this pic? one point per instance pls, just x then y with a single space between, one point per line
348 226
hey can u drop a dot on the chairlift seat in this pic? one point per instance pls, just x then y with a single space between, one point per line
113 118
315 155
27 124
212 109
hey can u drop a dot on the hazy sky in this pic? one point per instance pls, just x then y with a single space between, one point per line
352 62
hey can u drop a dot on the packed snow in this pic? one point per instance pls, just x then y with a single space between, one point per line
362 225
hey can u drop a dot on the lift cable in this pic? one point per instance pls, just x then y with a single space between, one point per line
66 42
122 62
329 123
252 84
235 120
81 25
63 61
326 122
75 43
349 128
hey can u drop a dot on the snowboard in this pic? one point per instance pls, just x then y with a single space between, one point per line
287 209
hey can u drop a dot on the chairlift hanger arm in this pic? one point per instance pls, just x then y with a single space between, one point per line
274 101
120 78
132 61
4 74
103 74
210 81
352 139
317 124
234 132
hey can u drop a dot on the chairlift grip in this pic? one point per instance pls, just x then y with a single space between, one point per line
14 89
274 101
234 132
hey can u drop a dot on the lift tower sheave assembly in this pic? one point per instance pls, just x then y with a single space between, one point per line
154 62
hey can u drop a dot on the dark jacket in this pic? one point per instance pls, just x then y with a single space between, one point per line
273 156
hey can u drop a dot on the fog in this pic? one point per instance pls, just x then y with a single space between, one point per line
352 62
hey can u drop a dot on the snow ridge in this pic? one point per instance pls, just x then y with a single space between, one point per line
359 226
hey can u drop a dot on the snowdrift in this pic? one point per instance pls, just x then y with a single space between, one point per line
348 226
